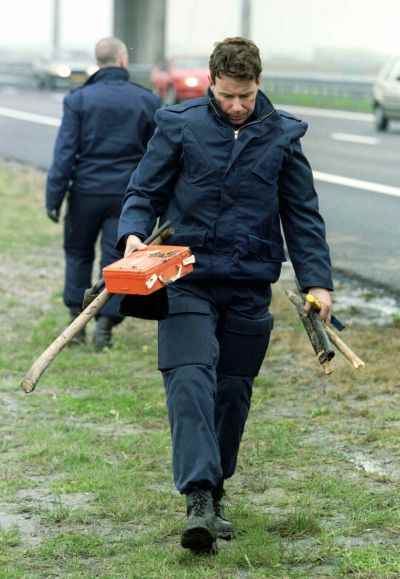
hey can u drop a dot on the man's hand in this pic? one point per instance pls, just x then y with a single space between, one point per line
133 243
54 215
323 300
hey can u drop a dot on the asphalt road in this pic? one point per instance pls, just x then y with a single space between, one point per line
356 172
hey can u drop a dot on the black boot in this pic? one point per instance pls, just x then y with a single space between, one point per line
80 338
103 333
224 527
200 534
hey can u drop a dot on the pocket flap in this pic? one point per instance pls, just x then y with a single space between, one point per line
265 249
245 326
268 167
190 237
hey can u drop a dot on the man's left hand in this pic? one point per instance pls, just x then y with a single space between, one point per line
323 298
53 215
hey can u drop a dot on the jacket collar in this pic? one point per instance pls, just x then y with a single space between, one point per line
263 108
113 73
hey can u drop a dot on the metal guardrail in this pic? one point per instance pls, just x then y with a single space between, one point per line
355 87
16 73
21 74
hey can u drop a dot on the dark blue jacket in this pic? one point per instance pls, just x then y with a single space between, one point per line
227 193
105 128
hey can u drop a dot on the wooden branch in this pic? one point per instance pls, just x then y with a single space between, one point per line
31 378
344 349
316 332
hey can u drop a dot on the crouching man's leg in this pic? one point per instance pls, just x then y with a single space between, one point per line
188 352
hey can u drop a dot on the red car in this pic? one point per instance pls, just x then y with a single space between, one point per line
181 78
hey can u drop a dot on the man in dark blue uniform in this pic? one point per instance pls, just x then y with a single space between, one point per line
104 132
228 170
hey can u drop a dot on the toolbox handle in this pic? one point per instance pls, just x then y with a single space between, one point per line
173 278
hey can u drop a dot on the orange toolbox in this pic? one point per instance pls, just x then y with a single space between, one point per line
147 270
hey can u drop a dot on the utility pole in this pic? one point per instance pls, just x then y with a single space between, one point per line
246 18
56 24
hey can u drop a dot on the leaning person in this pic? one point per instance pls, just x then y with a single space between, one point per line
105 128
228 170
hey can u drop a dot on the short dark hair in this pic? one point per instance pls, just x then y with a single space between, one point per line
237 57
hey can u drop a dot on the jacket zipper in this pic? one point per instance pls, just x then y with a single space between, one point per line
236 131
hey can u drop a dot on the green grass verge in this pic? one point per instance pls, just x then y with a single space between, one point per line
322 101
85 473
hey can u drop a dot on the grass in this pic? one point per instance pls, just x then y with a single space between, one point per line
321 101
85 461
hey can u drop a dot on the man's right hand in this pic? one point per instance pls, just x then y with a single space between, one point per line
54 215
133 243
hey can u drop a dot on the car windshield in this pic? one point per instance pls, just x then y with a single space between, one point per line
191 62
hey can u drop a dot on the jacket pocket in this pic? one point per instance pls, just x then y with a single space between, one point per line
269 166
264 249
186 337
196 165
190 237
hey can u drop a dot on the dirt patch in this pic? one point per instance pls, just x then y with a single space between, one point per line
385 467
28 526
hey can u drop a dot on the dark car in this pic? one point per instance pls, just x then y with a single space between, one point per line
181 78
386 91
63 69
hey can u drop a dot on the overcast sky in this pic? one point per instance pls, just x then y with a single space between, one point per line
278 26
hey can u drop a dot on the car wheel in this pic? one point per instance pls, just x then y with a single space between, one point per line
170 96
381 120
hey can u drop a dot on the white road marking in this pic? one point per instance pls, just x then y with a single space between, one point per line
357 184
30 117
359 139
318 175
327 113
58 97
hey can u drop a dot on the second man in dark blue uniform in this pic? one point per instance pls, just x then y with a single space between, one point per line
105 128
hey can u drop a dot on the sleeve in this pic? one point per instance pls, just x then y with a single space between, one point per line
151 126
151 184
65 151
302 223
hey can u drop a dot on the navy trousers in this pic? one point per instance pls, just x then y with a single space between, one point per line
211 347
89 216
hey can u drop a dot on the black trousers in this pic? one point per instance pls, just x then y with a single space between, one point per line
211 347
89 216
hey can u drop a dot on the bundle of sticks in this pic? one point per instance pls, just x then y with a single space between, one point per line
322 335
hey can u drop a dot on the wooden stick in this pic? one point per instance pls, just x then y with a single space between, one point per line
31 378
316 332
94 304
344 349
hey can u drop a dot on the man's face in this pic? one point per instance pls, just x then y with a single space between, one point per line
237 98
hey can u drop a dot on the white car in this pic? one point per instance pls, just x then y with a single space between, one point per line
386 91
63 69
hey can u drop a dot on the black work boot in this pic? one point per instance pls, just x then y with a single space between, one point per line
102 333
223 527
80 338
200 534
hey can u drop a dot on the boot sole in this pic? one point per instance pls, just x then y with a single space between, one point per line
199 540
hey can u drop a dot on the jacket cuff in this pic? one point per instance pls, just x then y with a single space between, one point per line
307 284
